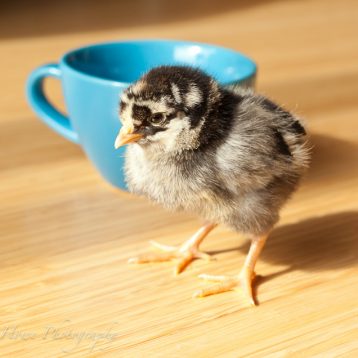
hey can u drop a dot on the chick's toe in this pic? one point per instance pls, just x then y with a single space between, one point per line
185 253
184 257
244 281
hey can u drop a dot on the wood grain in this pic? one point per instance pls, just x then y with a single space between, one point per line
66 289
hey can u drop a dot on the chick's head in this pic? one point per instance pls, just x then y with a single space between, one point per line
166 109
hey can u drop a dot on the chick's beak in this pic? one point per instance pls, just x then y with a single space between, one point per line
126 136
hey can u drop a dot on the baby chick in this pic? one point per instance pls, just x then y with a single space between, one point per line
228 155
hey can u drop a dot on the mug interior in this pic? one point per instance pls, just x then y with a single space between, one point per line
125 62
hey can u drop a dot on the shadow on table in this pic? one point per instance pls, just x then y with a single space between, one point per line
319 244
322 243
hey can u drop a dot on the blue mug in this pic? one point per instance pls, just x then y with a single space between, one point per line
93 78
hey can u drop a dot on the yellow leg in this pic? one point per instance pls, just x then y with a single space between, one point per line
186 253
243 280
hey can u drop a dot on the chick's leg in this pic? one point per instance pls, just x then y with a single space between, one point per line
243 280
185 253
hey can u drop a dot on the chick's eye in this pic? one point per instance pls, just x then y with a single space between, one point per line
157 118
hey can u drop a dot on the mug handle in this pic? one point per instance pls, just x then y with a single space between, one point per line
42 107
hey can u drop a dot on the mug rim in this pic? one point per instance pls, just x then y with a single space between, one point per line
65 59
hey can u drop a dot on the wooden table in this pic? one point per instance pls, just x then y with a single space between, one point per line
66 289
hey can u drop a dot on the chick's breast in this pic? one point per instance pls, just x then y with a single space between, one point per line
188 184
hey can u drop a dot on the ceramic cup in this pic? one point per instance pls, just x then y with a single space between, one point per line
93 77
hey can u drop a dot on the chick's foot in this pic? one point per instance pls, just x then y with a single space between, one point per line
185 253
243 281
